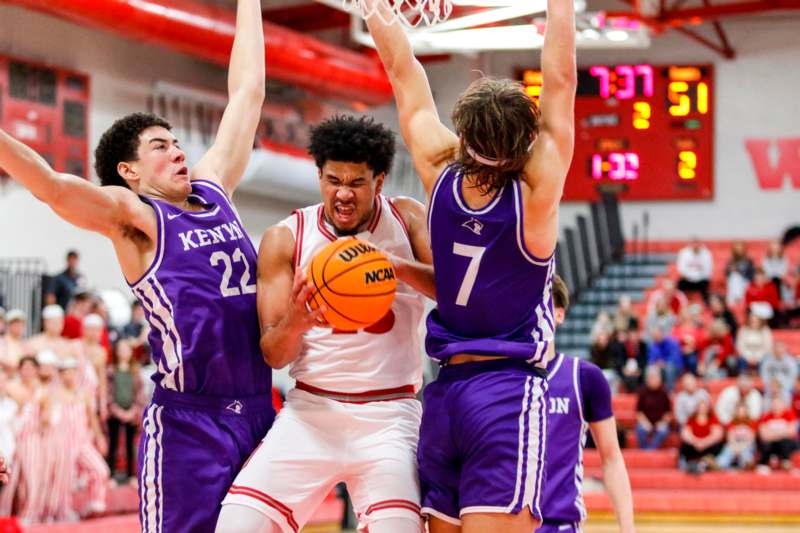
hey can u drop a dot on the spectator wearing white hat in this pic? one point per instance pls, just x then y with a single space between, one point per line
92 359
50 339
13 344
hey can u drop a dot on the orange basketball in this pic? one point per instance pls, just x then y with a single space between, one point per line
355 281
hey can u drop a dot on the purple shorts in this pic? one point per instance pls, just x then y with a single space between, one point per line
481 444
191 449
559 527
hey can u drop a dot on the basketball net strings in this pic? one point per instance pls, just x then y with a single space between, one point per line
411 13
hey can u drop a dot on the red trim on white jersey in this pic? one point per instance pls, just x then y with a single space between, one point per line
267 500
376 214
298 238
404 392
393 504
399 217
321 224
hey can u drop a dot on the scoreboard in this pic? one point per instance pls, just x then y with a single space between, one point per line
644 130
47 108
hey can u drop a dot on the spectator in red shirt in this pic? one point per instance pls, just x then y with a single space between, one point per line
690 335
79 307
763 290
777 432
653 411
674 298
719 311
740 447
701 439
796 398
718 356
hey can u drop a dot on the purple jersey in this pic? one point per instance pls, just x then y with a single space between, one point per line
199 296
493 296
578 394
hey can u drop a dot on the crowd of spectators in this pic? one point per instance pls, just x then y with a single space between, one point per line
79 386
688 337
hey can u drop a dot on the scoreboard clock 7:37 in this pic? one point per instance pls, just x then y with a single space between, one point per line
646 130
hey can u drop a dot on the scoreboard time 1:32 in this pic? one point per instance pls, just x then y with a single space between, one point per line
645 126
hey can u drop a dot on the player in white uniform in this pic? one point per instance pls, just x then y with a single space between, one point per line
353 415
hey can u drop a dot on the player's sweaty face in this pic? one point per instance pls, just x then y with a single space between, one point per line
162 164
348 194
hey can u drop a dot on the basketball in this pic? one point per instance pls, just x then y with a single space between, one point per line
355 282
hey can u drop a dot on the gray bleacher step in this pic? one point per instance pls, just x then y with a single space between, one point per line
575 340
608 297
575 324
635 271
623 283
575 351
649 259
587 311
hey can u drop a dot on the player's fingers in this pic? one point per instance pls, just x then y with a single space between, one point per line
318 316
301 297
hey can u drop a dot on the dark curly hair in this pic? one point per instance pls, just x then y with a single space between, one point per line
353 140
120 143
497 120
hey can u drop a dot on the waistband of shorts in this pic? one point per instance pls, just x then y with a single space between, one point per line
246 405
473 368
404 392
560 523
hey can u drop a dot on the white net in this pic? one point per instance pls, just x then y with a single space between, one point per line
411 13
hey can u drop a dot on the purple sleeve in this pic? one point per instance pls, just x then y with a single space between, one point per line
595 392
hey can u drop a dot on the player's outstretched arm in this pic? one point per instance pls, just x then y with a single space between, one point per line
419 273
430 143
282 295
546 170
615 475
76 200
227 158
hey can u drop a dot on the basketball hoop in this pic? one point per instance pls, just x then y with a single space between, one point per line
411 13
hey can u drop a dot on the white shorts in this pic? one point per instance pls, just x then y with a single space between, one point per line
316 443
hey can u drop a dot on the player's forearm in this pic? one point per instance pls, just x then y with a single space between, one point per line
391 41
28 168
615 478
246 72
418 275
558 49
281 344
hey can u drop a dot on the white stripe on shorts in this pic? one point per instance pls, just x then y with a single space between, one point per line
152 492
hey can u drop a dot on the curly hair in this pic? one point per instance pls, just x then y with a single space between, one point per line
119 143
495 119
353 140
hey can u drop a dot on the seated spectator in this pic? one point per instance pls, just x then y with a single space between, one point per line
136 330
661 316
701 440
126 404
790 297
674 298
779 372
602 324
742 391
773 390
653 411
625 318
664 352
8 420
50 339
13 345
796 398
738 272
631 368
689 398
774 264
690 335
2 321
717 356
740 445
754 341
777 432
695 266
763 291
79 307
719 311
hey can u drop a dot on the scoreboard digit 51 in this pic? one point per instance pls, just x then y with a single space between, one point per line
648 128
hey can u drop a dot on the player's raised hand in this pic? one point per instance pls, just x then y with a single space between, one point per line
300 314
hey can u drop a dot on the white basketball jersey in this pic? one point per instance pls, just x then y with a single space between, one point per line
361 361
